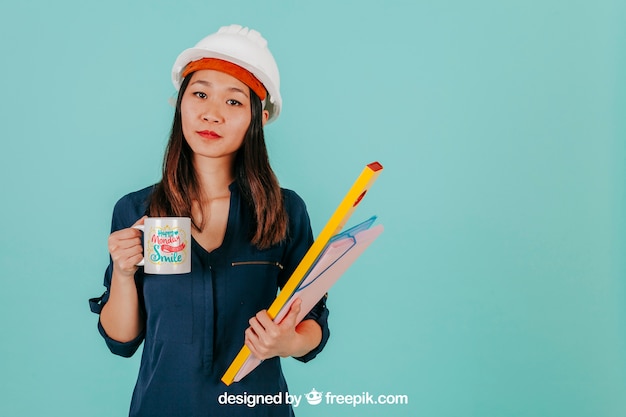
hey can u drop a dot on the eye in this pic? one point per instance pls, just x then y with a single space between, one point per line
233 102
200 94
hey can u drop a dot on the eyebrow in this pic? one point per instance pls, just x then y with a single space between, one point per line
208 84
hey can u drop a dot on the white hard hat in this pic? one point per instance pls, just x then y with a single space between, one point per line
244 47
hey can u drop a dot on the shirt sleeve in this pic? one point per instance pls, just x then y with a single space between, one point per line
300 239
126 212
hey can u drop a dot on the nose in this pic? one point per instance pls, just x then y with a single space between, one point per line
212 114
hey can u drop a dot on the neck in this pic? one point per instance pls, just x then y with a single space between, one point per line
214 175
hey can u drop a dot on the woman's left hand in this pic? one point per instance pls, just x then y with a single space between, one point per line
266 339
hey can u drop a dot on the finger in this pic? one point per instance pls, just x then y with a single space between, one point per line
256 344
126 238
128 233
270 329
251 342
264 319
263 338
250 337
292 316
125 248
140 221
256 327
128 253
262 347
116 243
127 259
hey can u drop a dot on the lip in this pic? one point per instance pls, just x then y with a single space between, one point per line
209 134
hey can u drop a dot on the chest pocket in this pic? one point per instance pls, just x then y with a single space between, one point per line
169 309
253 282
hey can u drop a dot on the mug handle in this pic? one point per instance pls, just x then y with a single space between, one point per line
139 227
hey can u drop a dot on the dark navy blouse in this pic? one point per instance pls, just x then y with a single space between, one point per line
195 323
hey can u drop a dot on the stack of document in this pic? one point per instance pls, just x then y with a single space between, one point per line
342 250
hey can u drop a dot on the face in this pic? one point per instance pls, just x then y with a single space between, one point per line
215 115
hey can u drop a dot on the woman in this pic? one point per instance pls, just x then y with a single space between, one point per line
248 236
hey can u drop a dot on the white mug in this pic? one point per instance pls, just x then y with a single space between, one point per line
166 245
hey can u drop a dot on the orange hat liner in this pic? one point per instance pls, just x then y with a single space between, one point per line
229 68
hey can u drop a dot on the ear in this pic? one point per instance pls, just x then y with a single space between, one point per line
266 115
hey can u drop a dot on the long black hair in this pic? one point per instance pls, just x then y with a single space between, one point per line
179 186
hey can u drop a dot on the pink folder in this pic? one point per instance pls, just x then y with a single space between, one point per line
342 250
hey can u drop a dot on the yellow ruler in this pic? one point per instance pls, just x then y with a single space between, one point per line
333 226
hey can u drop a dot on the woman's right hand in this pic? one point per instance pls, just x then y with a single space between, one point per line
125 247
120 316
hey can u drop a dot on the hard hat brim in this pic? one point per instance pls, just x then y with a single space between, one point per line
273 102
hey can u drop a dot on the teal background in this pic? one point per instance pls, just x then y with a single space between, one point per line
497 288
